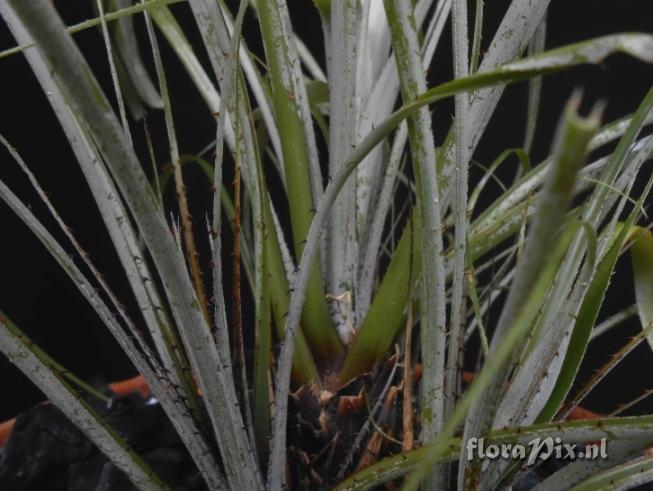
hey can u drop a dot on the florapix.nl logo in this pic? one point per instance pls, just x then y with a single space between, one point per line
536 449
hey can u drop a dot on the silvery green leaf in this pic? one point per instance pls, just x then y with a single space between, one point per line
129 51
342 244
432 284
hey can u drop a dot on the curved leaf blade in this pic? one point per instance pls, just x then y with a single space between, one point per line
642 257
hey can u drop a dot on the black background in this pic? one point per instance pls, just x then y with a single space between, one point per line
41 300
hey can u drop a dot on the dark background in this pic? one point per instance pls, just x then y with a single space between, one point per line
40 299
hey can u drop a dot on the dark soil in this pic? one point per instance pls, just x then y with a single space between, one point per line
46 452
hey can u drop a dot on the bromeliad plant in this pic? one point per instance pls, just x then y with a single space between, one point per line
333 404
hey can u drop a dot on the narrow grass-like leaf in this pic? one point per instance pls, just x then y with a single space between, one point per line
603 371
581 332
453 371
408 419
613 321
529 182
538 370
304 369
432 284
487 231
290 105
478 36
192 256
227 205
470 278
262 379
642 256
210 21
87 24
173 32
190 386
259 89
591 51
620 451
232 69
616 130
536 46
175 36
540 363
493 291
435 29
127 47
625 476
510 40
114 73
309 61
342 233
374 232
372 342
377 86
524 161
303 177
621 408
376 178
55 367
585 52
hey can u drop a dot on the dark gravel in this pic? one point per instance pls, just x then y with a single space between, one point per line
46 452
